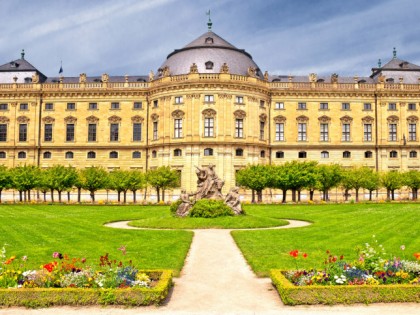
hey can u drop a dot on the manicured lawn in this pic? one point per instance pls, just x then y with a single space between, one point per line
338 228
39 230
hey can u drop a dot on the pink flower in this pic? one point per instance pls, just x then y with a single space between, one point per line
24 258
83 260
122 249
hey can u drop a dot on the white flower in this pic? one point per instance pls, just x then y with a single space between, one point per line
402 247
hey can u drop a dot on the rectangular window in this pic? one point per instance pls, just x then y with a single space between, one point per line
345 132
323 106
262 103
115 105
239 99
301 131
262 127
208 127
412 106
49 106
138 105
3 132
301 105
92 132
367 106
412 132
155 130
179 100
114 132
279 131
367 132
239 128
137 131
323 132
23 132
392 106
71 106
23 106
4 106
48 132
155 103
279 105
70 132
345 106
178 128
392 132
209 98
93 106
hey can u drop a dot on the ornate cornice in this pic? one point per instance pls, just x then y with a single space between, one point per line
48 120
23 119
209 113
346 119
4 119
154 117
412 119
302 119
114 119
70 119
393 119
92 119
178 114
280 119
324 119
240 114
137 119
368 119
263 117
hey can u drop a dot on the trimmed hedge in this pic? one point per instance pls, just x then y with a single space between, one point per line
210 208
342 294
45 297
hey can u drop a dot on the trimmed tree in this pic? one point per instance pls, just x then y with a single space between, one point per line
355 178
161 179
136 180
372 182
329 176
278 179
24 179
92 179
412 180
61 179
254 177
5 178
391 181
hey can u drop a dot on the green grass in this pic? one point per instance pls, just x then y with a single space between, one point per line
228 222
339 228
39 230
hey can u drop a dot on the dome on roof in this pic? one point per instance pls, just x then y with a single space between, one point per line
209 52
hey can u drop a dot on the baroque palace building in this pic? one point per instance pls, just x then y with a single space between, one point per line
209 103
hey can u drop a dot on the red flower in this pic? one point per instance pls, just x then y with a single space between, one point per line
417 255
341 257
10 260
50 266
305 255
294 253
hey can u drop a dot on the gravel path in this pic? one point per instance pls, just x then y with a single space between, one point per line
217 280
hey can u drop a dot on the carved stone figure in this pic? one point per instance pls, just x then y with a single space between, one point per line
193 68
224 68
209 185
105 78
151 75
232 200
35 78
82 78
186 204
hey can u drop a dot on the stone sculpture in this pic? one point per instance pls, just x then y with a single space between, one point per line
186 204
233 201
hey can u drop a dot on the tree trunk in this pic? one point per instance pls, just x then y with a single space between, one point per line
145 194
45 196
357 194
119 196
52 195
20 195
163 194
259 194
158 194
388 194
284 192
311 195
293 195
325 197
59 196
392 194
79 193
92 196
0 194
125 196
370 195
24 195
298 195
68 196
134 196
29 195
413 192
252 196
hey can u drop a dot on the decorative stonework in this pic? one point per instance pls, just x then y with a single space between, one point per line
165 71
334 78
393 119
252 99
137 119
263 117
92 119
312 77
13 104
368 119
240 114
193 68
412 119
151 75
35 78
70 119
114 119
280 119
324 119
302 119
224 68
33 104
266 76
4 119
178 114
225 96
154 117
381 79
346 119
23 119
252 72
82 78
209 113
48 120
105 78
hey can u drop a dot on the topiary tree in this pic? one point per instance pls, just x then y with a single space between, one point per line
118 182
329 176
372 182
61 179
5 178
24 179
355 178
392 181
92 179
44 183
161 179
278 179
254 177
411 179
136 180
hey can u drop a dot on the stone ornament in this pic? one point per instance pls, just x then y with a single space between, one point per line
184 208
82 78
23 119
35 78
92 119
48 120
346 119
209 113
240 114
302 119
263 117
154 117
266 76
224 68
151 75
312 77
334 78
381 79
393 119
324 119
105 78
280 119
368 119
137 119
232 200
165 71
4 119
178 114
114 119
70 119
252 72
193 68
412 119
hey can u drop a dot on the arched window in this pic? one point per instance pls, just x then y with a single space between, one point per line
2 155
154 154
413 154
22 155
368 154
262 153
393 154
69 155
47 155
346 154
239 152
302 155
279 155
113 155
208 152
91 155
177 152
136 155
325 154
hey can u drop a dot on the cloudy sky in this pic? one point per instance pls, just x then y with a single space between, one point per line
135 36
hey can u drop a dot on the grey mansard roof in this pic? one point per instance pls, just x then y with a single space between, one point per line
209 47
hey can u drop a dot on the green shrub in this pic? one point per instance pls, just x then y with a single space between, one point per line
208 208
174 206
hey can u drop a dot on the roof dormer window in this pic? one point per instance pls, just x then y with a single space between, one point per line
209 65
390 80
13 64
209 40
28 80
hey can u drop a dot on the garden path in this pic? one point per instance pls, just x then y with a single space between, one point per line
217 280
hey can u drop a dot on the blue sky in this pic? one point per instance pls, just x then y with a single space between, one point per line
135 36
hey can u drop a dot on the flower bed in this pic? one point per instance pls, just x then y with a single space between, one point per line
66 281
369 279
